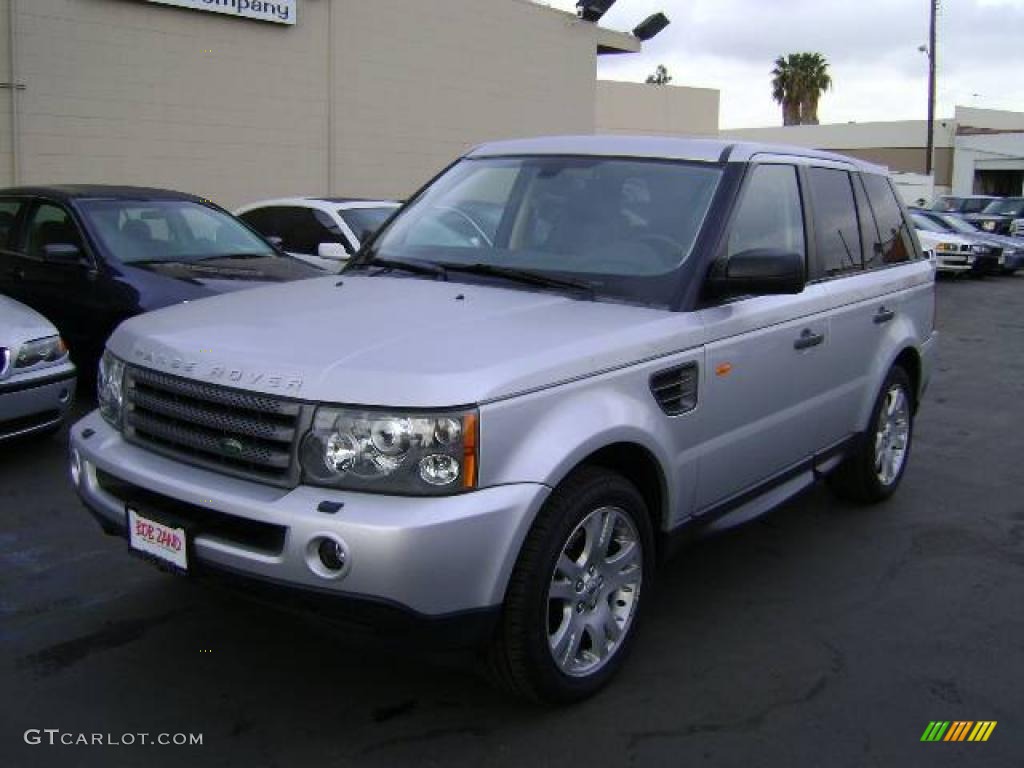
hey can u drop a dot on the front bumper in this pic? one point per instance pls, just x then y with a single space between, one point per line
35 403
431 557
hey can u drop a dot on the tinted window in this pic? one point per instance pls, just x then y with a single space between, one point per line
9 210
975 205
893 244
365 221
835 221
770 214
301 229
50 225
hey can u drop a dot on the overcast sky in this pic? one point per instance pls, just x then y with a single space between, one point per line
872 46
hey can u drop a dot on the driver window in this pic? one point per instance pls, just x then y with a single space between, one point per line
770 214
50 225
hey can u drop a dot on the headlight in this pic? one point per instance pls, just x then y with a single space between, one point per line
947 248
982 249
392 452
110 389
47 350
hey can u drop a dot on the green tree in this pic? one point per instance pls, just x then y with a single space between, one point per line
660 76
798 81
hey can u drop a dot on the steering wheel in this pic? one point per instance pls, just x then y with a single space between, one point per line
470 220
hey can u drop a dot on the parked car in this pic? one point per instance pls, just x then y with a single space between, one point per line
1001 217
954 253
1009 251
498 430
86 257
962 204
323 231
37 380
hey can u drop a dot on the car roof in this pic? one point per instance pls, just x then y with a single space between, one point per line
68 192
667 147
320 202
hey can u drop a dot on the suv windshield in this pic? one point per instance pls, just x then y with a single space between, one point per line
1011 206
617 226
169 230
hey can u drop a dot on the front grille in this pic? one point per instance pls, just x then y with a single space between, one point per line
241 433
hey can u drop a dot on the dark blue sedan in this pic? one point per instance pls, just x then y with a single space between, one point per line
87 257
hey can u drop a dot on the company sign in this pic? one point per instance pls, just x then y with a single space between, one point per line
278 11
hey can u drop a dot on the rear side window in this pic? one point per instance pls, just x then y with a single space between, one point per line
770 214
892 243
9 210
835 222
301 229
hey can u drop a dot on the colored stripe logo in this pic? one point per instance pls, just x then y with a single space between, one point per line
958 730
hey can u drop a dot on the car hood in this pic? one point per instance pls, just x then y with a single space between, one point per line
929 238
398 341
19 324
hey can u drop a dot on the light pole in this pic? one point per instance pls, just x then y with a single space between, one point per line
934 4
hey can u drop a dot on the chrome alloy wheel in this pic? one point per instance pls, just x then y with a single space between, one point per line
593 593
892 435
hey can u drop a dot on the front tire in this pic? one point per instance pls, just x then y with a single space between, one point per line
873 472
574 596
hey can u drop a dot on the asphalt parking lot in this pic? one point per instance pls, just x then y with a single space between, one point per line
821 635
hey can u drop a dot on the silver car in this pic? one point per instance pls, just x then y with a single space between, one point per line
562 356
37 380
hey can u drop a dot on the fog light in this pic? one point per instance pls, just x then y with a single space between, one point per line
331 554
75 464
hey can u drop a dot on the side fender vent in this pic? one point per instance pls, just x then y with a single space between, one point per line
675 389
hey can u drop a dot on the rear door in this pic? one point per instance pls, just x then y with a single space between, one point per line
867 301
12 266
764 353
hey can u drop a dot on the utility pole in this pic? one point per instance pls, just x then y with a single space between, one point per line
932 36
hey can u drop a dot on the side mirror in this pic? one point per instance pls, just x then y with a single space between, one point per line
335 251
274 240
62 253
758 272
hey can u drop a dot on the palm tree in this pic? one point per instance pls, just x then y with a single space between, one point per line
798 81
786 89
815 80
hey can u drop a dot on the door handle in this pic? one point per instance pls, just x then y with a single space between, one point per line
884 315
808 339
18 273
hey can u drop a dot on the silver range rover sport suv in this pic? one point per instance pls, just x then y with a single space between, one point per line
559 356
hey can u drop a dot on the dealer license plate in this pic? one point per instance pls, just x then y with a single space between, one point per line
157 540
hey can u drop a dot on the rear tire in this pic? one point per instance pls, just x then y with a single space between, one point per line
873 471
573 599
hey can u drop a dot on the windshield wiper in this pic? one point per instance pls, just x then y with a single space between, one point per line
416 266
234 256
524 276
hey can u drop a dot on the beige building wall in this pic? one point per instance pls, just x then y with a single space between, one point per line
899 145
416 90
357 98
6 96
639 108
